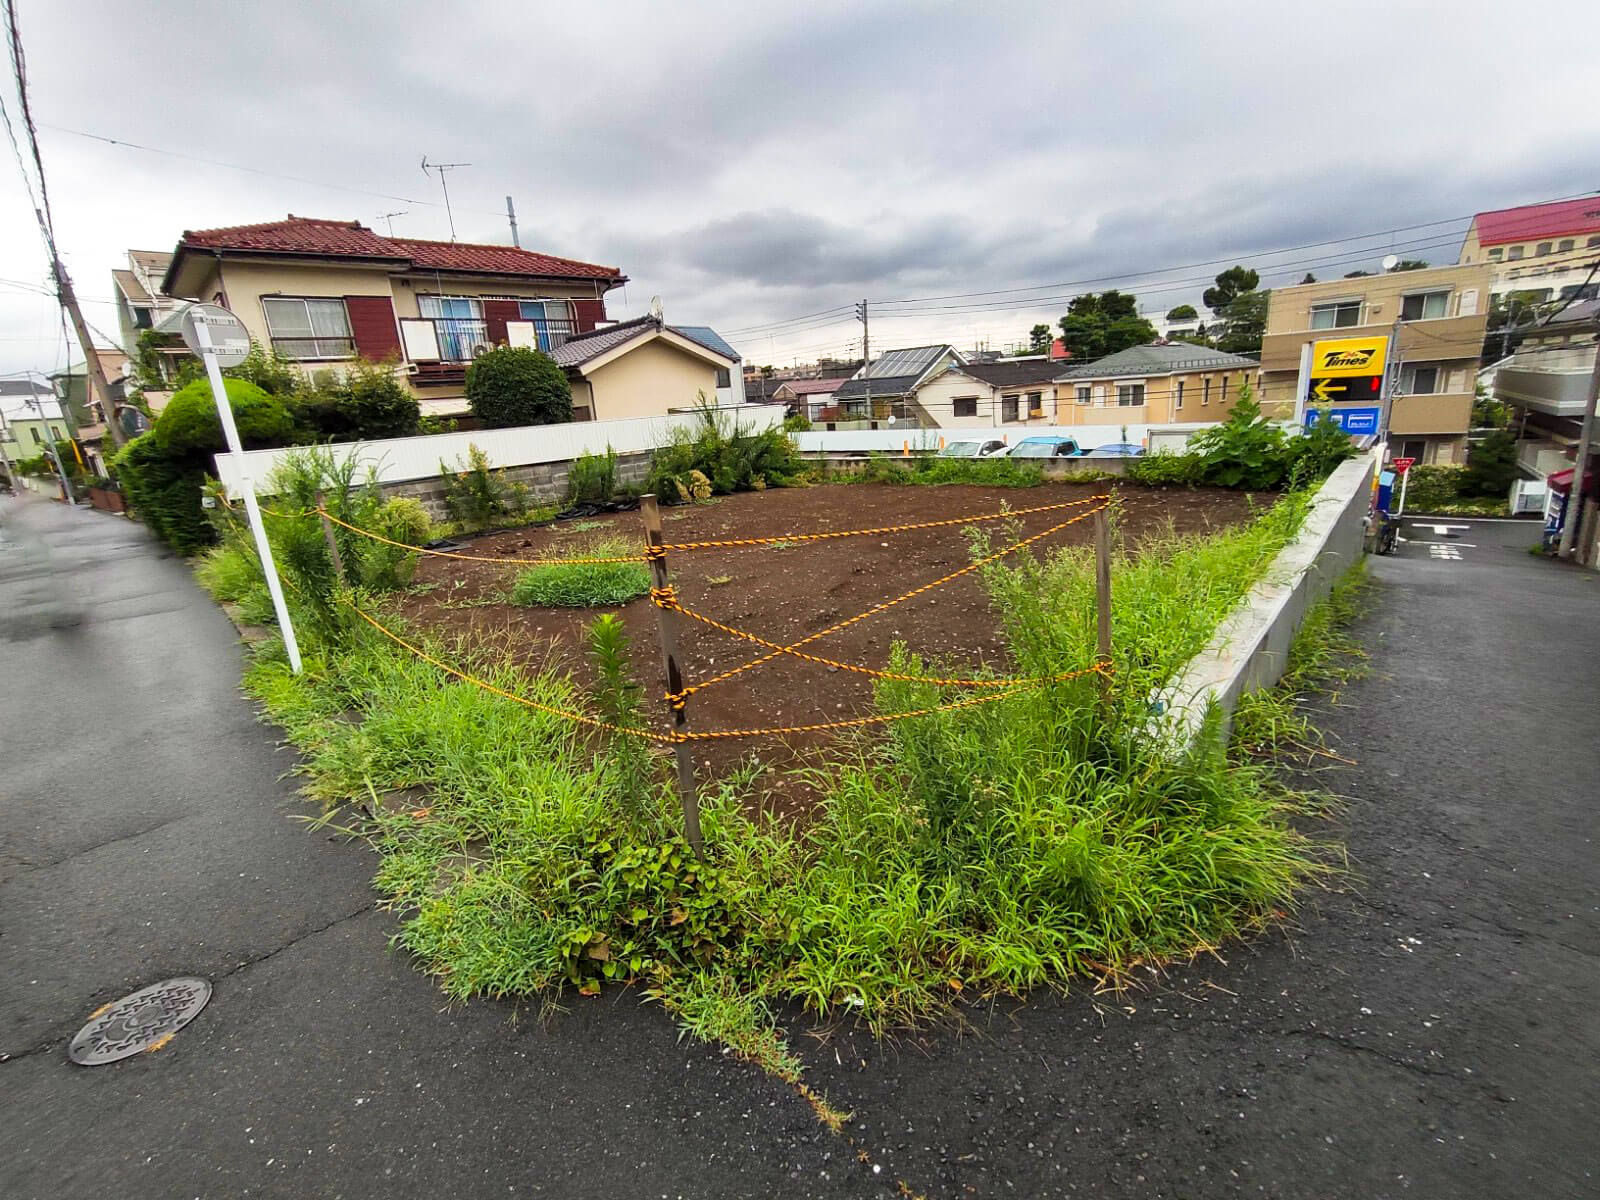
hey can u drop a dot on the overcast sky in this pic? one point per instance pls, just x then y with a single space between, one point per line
755 163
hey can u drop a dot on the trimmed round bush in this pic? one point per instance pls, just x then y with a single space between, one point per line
512 385
163 490
189 425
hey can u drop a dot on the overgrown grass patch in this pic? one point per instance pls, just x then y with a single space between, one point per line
585 584
998 848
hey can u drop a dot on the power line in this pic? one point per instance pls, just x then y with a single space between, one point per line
232 166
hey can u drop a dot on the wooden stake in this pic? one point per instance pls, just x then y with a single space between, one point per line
333 545
667 626
1102 587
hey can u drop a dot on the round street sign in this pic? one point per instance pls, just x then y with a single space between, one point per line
230 340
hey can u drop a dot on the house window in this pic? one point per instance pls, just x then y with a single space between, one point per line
1083 394
1543 249
1424 306
1513 254
1177 396
1593 242
1222 391
1496 254
724 377
966 406
141 316
307 329
1036 404
37 440
1340 314
1205 392
1421 381
1009 406
1566 244
458 325
1415 448
1130 395
552 323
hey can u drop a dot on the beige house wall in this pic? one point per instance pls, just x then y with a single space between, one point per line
647 381
936 400
1163 404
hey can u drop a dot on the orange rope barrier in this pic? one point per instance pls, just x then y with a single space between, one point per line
521 562
877 608
844 533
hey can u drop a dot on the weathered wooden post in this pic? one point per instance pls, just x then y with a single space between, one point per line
333 544
667 626
1102 587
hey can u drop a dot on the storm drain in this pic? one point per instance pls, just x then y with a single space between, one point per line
144 1020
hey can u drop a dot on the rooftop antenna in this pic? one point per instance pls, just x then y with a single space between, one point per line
389 217
442 168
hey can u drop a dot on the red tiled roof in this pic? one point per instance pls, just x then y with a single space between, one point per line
351 239
813 387
1533 221
497 260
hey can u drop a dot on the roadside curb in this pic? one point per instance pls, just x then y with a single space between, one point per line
1250 649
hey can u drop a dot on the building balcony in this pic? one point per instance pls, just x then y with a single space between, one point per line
1540 457
1441 412
1560 393
455 341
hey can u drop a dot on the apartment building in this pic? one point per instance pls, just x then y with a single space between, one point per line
1438 316
1540 252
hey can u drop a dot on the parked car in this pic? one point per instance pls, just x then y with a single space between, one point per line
1116 450
1046 447
975 449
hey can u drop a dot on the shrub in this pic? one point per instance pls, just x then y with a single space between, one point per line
1491 466
400 519
476 496
585 585
513 385
592 478
189 425
1166 469
729 454
228 572
1320 448
1245 451
163 490
366 402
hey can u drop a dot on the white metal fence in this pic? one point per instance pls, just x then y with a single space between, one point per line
397 460
893 440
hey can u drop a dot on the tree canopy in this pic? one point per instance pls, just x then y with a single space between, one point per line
1039 339
1097 325
1184 312
1230 285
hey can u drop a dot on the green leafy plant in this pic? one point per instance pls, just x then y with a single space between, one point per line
1246 450
592 478
1166 469
189 427
728 454
476 496
1491 466
513 385
582 584
617 696
365 401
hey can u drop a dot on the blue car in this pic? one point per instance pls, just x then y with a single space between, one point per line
1117 450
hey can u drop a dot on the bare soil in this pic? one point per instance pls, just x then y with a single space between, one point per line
785 592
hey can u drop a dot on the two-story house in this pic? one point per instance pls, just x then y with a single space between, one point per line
1173 384
1437 316
325 292
1005 392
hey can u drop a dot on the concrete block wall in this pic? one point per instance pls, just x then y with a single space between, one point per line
546 482
1250 649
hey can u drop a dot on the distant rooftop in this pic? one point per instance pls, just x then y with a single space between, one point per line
1533 221
1158 360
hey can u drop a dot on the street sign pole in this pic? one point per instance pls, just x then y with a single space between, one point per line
1403 465
208 354
1302 386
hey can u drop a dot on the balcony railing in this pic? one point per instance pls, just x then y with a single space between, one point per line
461 339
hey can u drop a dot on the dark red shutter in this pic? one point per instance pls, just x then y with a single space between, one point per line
373 328
495 315
588 313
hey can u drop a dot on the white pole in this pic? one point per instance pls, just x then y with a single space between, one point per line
202 334
1569 528
1302 387
1404 476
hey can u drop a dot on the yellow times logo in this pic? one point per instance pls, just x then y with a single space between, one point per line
1349 356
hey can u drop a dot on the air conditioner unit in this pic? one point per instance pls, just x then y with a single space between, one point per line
479 349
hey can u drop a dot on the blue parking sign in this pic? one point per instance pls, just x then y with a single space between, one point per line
1354 421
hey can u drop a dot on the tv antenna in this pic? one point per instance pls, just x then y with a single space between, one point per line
657 314
442 168
389 217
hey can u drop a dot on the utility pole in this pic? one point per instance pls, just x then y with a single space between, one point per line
1569 527
511 215
1391 386
99 388
50 449
866 354
444 187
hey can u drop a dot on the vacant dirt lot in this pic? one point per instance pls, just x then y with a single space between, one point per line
784 593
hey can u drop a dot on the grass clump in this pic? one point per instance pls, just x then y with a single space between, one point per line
585 585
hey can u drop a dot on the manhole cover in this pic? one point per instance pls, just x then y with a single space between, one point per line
145 1020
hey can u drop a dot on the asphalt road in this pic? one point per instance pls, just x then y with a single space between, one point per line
1426 1027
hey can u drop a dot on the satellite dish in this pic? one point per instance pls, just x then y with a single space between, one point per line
891 420
1390 262
656 310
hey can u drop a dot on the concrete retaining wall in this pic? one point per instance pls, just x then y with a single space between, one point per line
546 482
1251 647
